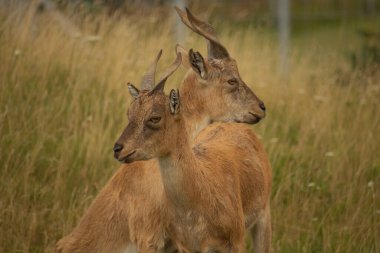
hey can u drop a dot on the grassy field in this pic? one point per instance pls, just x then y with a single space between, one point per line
63 102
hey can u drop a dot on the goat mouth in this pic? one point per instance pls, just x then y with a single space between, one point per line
255 119
126 159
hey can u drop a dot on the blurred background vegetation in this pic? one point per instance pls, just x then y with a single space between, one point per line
63 69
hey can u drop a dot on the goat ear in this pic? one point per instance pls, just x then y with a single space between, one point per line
174 101
184 55
198 63
133 90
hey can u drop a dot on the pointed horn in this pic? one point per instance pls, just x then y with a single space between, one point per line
147 82
184 19
215 49
169 71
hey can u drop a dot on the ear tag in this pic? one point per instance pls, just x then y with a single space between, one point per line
174 101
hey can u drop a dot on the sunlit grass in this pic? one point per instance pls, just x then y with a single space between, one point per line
63 103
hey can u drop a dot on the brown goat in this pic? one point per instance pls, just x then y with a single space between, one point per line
129 209
203 186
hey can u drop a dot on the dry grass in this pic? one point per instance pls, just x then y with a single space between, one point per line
63 101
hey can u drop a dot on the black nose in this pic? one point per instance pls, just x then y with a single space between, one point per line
262 106
117 148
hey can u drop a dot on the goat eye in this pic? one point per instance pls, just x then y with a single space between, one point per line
233 81
155 119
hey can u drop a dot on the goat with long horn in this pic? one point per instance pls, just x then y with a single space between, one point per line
129 211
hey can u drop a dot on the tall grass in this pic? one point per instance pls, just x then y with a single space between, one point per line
63 103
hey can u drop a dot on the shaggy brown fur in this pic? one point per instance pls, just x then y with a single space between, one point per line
203 187
133 196
130 208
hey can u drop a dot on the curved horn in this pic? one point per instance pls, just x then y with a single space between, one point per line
169 71
147 82
215 49
183 17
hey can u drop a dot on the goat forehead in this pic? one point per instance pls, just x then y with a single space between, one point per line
224 67
138 109
231 65
146 104
226 62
